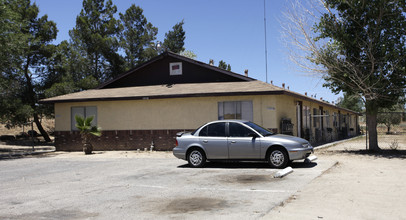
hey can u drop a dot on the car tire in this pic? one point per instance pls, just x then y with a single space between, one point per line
278 158
196 158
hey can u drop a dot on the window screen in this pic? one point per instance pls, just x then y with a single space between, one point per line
235 110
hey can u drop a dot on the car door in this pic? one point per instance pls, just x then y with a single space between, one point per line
241 144
213 138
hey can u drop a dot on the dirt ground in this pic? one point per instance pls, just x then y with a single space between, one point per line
361 186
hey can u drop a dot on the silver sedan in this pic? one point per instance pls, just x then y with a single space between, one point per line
241 141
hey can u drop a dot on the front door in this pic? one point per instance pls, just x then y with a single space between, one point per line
241 144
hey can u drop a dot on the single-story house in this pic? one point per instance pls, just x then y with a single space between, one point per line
170 93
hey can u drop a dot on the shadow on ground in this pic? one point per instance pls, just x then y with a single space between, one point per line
24 154
248 165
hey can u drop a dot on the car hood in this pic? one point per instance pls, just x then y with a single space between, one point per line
289 138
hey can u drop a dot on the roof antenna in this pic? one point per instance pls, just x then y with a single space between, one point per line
266 52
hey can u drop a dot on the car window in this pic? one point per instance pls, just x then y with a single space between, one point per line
259 129
214 130
238 130
194 132
203 131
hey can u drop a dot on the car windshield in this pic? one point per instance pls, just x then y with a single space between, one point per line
259 129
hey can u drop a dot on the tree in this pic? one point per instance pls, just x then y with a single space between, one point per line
95 37
137 36
358 47
390 116
86 131
12 41
175 39
188 54
23 75
224 65
352 102
65 72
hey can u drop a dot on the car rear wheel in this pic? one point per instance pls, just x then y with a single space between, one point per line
196 158
278 158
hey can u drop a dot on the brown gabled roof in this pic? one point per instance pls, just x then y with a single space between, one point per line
180 91
168 91
180 57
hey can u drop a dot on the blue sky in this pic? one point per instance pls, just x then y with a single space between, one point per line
229 30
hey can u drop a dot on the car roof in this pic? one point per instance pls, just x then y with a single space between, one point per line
229 120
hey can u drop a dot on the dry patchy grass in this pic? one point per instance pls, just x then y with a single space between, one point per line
48 124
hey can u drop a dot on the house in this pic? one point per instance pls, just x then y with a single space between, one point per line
171 93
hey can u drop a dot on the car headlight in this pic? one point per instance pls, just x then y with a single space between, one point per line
306 145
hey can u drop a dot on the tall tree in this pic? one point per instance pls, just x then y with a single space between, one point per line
12 41
175 39
137 36
359 47
22 80
95 36
352 102
65 72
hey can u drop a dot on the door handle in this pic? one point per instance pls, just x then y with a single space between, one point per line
205 141
233 142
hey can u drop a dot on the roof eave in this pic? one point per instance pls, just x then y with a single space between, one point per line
277 92
318 101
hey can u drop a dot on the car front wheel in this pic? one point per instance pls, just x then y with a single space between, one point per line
196 158
278 158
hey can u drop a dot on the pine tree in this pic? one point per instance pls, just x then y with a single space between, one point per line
95 36
224 65
137 36
175 39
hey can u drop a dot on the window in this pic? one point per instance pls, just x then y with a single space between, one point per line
175 69
259 129
237 130
84 111
235 110
214 130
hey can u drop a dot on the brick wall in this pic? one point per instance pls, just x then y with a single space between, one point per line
118 140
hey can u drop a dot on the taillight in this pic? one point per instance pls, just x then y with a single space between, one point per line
176 142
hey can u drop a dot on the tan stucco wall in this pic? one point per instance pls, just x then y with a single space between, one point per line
187 113
176 113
